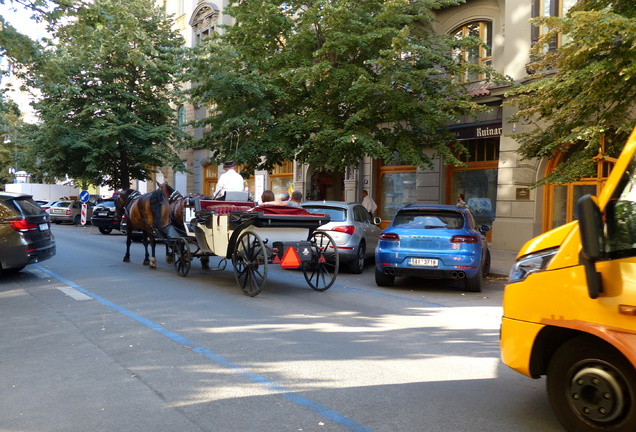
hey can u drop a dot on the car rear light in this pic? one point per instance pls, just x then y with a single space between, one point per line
68 212
464 239
347 229
22 225
389 237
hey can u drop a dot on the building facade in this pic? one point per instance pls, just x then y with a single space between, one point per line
495 180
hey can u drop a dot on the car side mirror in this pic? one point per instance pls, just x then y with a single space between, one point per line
592 239
484 228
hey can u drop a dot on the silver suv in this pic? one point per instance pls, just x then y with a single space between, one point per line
352 228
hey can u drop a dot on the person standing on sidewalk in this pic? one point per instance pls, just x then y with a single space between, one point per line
368 203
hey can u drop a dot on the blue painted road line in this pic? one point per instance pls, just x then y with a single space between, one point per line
220 360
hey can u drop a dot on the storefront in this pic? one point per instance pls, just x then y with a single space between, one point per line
477 181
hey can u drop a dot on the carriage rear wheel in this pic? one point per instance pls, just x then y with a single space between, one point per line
181 256
250 263
322 271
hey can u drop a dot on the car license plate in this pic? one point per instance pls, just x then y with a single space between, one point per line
423 262
102 214
44 227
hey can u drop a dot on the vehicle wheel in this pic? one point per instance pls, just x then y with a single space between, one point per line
250 263
105 230
322 271
57 222
77 220
382 279
592 387
473 284
486 266
181 256
357 265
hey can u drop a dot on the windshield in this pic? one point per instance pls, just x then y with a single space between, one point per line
429 219
336 214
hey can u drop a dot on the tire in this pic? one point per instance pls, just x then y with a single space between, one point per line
383 280
357 265
592 387
105 230
77 220
486 266
473 284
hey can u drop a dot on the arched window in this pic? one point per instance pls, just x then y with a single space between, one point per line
203 20
480 55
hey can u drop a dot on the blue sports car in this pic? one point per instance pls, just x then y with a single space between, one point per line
434 242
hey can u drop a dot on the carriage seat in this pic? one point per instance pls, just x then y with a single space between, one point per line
220 208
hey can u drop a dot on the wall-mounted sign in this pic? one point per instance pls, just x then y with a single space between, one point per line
523 194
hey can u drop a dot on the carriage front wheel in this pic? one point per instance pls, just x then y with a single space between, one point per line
181 256
250 263
322 271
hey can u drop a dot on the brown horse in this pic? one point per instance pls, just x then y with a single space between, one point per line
177 204
148 213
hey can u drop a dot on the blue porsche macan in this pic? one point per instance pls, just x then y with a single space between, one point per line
433 242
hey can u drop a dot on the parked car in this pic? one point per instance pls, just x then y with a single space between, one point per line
46 205
69 211
352 229
105 218
25 232
434 242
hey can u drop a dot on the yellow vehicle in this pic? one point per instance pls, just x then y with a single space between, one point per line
570 308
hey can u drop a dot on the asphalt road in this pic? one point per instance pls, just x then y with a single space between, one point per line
90 343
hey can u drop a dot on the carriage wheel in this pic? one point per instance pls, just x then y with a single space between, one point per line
322 271
181 256
250 263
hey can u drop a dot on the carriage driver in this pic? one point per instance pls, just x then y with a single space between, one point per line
230 181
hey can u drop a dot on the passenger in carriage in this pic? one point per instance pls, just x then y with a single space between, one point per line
268 199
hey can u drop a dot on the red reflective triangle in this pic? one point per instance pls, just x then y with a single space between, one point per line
291 260
276 260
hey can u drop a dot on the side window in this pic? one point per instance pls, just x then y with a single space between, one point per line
620 217
361 215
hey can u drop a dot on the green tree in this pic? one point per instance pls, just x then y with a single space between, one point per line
107 95
327 82
9 124
583 91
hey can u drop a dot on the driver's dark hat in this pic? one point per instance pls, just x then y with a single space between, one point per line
228 164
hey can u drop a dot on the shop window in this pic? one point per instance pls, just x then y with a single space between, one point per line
477 181
281 180
478 55
397 188
211 176
561 199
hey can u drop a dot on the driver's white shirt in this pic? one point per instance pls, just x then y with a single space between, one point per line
230 181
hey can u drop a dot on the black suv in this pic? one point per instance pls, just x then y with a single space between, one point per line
105 217
25 232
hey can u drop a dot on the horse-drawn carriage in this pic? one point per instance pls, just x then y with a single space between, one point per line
256 237
252 237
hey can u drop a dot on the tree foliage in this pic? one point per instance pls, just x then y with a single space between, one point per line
107 104
327 82
583 91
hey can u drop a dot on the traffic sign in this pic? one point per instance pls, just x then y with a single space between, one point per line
83 213
84 196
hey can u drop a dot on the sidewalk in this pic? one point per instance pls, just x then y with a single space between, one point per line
501 261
